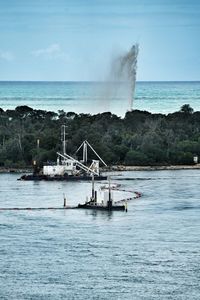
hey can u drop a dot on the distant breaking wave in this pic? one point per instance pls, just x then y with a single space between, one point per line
165 98
34 98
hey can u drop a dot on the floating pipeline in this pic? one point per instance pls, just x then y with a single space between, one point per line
36 208
137 194
128 199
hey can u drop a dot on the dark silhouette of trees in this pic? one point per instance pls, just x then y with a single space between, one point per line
187 109
140 138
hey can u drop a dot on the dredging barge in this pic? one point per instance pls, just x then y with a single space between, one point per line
68 168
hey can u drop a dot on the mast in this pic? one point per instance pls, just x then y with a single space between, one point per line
63 135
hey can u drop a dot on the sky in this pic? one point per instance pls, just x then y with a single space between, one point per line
76 40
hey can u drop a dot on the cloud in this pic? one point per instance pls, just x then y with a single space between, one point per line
6 55
53 51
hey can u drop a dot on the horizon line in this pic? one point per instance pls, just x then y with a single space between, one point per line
95 81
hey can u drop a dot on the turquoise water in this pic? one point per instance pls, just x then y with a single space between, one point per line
88 97
150 252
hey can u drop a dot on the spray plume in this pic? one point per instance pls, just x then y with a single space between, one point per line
124 69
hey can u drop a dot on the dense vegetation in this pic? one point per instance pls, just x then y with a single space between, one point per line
140 138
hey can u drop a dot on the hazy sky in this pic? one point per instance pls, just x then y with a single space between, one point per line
76 39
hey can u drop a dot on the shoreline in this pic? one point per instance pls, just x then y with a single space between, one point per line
15 170
118 168
154 168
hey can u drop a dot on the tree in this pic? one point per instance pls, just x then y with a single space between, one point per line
23 111
135 158
187 109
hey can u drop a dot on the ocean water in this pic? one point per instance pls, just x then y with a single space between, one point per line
94 97
150 252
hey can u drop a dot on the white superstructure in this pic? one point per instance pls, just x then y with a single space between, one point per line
69 166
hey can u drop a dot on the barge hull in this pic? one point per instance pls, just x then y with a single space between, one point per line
98 207
60 178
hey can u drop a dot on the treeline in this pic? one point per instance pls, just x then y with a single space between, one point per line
140 138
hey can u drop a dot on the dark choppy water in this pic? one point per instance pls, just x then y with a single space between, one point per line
151 252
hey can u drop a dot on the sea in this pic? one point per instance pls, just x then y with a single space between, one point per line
150 252
95 97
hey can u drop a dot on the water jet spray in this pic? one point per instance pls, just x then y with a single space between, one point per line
125 69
